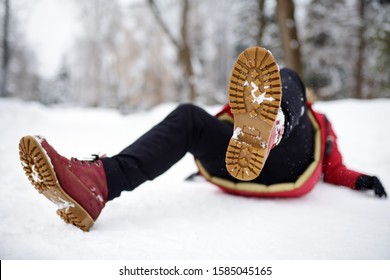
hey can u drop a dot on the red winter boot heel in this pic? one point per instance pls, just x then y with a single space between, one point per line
78 188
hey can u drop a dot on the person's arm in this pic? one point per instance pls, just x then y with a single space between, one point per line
335 172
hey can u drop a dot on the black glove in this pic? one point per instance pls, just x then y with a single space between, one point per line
365 182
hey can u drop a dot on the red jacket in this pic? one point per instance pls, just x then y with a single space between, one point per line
327 162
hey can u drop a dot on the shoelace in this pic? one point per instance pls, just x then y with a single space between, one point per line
95 159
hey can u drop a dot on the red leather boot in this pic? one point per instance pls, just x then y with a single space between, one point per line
78 188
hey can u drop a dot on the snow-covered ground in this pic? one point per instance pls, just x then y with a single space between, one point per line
169 218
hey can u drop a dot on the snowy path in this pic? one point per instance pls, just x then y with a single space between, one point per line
172 219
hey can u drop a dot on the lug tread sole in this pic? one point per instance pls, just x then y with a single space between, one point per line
39 171
254 96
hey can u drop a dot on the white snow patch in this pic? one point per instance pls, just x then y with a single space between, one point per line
261 98
100 198
35 174
258 99
254 88
63 204
237 133
280 122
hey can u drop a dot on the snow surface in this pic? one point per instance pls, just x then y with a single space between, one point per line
169 218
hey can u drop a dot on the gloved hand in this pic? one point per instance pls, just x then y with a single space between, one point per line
365 182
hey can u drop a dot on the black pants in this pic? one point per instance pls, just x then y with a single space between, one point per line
191 129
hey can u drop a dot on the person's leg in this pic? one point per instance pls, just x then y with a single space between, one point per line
293 99
187 129
294 153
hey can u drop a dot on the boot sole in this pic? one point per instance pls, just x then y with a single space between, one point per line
255 95
40 172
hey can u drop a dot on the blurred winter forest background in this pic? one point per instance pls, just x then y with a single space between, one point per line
131 54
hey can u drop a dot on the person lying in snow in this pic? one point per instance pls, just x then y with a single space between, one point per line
280 147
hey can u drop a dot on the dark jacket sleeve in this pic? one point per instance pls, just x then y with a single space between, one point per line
334 170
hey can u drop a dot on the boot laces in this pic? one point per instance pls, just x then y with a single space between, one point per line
93 159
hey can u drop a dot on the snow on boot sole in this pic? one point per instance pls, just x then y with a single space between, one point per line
255 95
40 172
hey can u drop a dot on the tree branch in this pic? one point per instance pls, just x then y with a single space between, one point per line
163 25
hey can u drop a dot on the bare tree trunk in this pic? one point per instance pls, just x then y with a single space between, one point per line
185 52
6 52
259 39
183 47
290 42
358 73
